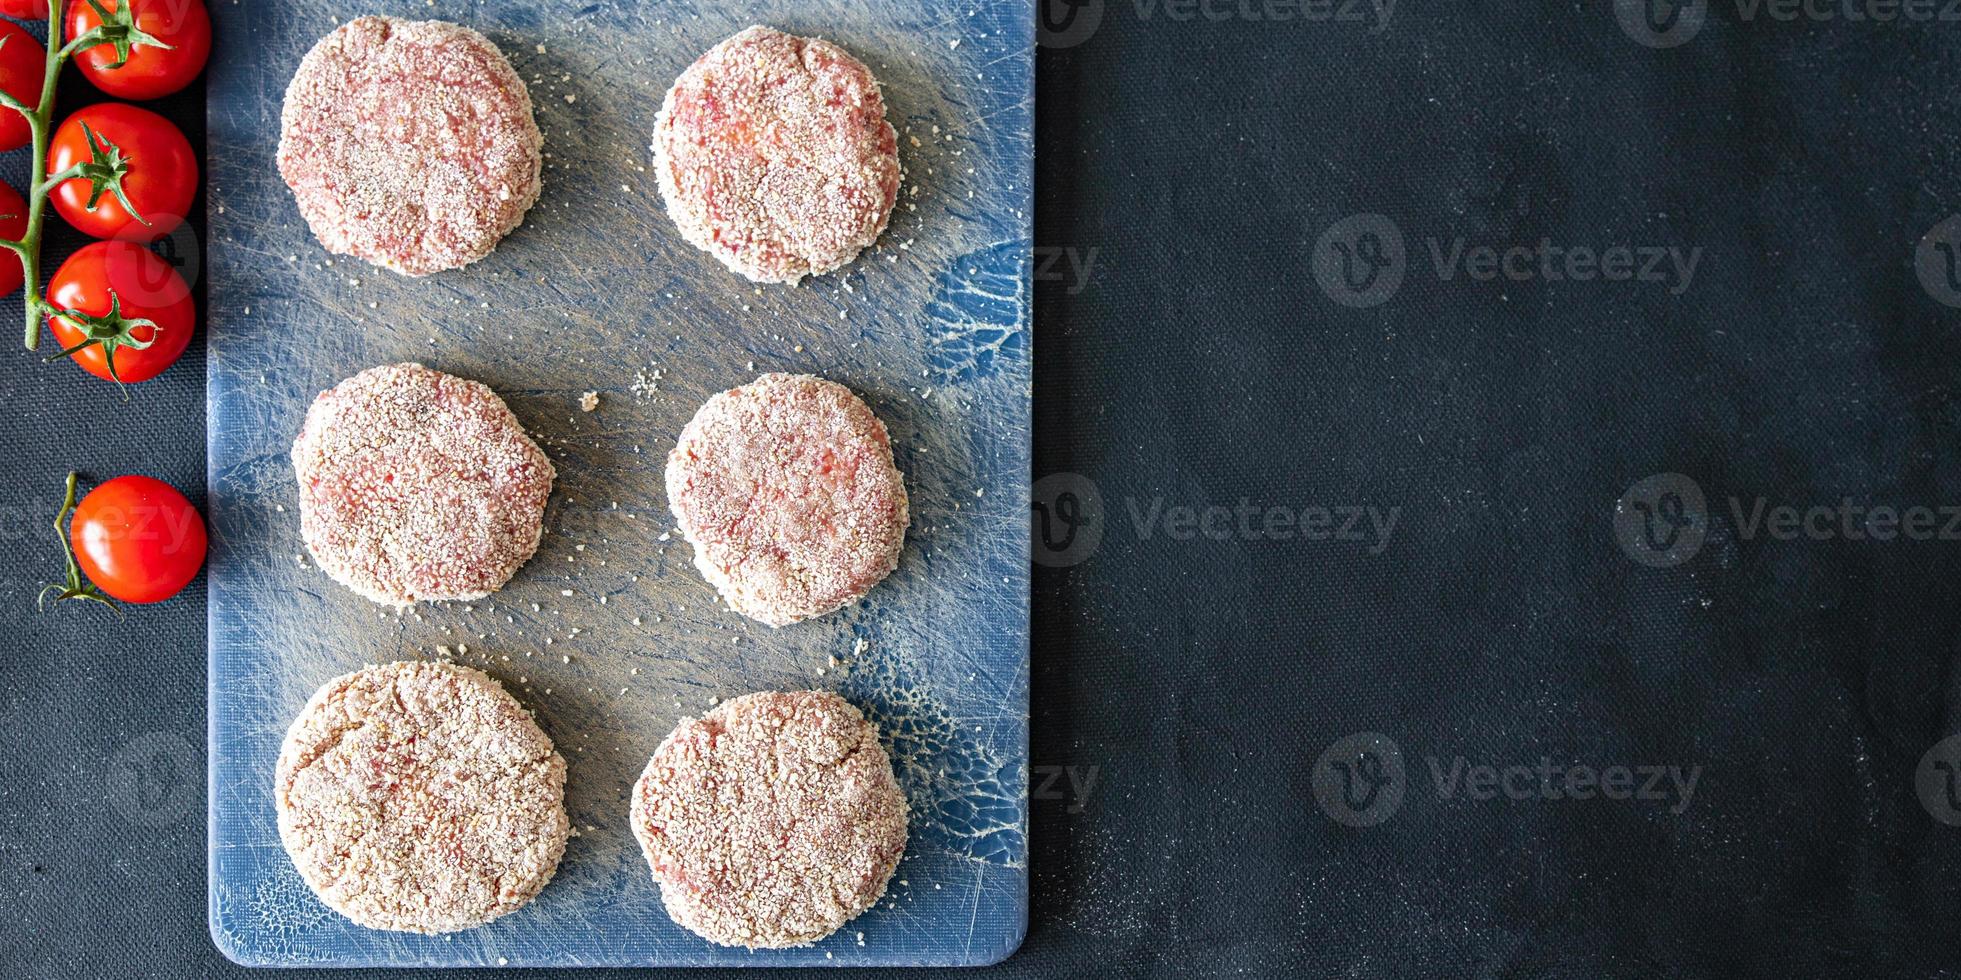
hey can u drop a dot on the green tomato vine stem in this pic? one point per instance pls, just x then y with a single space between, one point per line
38 122
117 29
75 586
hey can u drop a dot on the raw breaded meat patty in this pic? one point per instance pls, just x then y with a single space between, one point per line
772 820
409 144
420 797
787 491
416 486
773 154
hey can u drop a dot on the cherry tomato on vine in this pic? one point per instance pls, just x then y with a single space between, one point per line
23 67
132 314
27 9
169 44
13 224
129 159
138 539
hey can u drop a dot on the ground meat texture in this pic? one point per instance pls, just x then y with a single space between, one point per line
415 485
773 154
409 144
772 820
787 491
420 797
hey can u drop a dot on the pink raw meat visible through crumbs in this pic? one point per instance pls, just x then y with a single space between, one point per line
410 144
420 797
772 820
416 485
787 491
773 154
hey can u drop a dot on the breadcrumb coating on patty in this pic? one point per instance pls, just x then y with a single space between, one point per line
415 485
787 491
773 154
420 797
772 820
410 144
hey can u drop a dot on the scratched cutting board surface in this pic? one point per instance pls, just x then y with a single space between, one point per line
609 633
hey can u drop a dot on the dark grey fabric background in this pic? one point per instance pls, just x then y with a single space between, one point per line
1189 683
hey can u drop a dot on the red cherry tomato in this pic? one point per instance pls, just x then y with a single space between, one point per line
158 172
144 287
138 539
23 69
152 72
28 9
13 224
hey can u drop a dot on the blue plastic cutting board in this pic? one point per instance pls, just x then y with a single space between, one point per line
598 293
